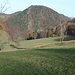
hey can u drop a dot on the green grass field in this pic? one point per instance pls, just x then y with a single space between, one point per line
39 57
29 44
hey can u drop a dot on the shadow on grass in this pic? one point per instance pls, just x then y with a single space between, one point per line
67 38
13 46
60 50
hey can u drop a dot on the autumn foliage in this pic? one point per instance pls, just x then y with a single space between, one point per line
19 38
2 27
37 19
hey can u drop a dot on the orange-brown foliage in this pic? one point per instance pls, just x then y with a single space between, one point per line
19 38
2 27
31 34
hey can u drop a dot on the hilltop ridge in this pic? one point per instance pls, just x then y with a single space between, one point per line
33 19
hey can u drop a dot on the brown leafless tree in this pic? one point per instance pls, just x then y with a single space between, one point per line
62 31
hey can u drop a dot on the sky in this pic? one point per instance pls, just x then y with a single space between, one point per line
66 7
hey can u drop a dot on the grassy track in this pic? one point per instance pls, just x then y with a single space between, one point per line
54 59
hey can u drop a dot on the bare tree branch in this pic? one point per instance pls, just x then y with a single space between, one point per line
3 9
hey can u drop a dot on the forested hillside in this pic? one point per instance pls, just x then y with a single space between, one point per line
37 19
71 27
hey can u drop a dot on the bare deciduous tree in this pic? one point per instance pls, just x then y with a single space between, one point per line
3 8
62 31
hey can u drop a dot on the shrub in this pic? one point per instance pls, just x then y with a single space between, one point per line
1 47
19 38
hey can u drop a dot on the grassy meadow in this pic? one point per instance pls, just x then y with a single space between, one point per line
45 56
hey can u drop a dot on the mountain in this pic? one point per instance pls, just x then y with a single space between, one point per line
16 13
33 19
71 17
3 15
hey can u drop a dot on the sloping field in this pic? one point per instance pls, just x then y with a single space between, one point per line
4 37
37 43
52 59
28 44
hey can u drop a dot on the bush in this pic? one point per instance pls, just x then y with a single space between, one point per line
1 47
19 38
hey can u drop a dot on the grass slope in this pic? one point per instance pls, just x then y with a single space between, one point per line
54 59
3 37
29 44
38 62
